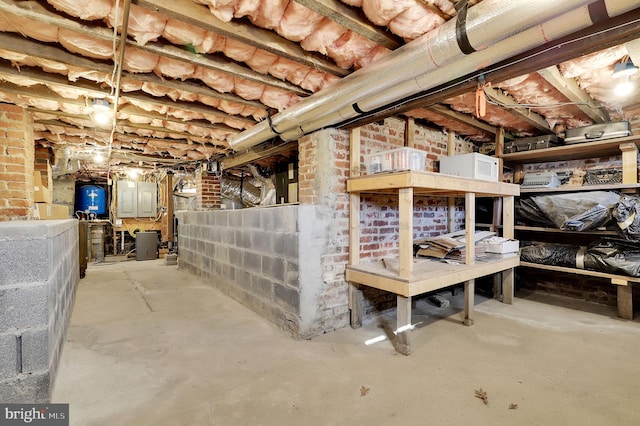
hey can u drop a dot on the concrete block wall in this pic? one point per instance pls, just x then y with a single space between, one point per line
252 255
38 276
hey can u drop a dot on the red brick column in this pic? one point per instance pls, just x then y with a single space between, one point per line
42 163
16 163
208 190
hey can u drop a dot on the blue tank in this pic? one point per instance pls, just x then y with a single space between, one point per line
93 199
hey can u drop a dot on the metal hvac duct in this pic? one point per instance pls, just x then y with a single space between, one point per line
495 30
243 192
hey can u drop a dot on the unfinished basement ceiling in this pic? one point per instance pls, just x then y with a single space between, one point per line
193 75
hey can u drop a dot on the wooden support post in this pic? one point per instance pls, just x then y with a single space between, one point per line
469 293
625 298
629 163
496 220
451 201
497 285
470 227
508 281
405 237
169 208
508 216
508 222
403 323
409 132
518 173
499 151
356 298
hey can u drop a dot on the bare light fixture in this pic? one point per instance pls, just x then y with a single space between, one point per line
133 173
101 112
621 72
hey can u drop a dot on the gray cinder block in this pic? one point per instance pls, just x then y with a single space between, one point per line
33 388
289 296
9 363
23 261
35 350
23 307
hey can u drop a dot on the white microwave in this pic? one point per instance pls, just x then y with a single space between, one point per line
474 165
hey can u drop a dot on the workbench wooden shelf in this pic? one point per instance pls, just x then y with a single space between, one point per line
413 276
428 275
623 283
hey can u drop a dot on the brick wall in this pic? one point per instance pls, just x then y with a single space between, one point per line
208 190
37 289
324 169
42 163
16 163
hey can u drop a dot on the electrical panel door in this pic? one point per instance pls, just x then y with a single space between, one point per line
127 199
137 199
147 199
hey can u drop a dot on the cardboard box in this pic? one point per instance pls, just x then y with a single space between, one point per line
501 245
41 194
48 211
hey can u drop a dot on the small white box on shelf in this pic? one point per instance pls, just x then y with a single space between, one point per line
474 165
501 245
395 159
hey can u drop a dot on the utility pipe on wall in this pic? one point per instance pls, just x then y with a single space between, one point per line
439 56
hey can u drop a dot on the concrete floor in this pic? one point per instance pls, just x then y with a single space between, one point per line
151 345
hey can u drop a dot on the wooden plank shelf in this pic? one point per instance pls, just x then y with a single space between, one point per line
622 283
633 187
580 151
602 232
428 275
430 183
614 277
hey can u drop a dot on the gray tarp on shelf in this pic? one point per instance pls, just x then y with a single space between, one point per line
610 255
627 215
571 211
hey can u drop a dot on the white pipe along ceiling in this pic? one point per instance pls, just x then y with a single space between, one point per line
486 33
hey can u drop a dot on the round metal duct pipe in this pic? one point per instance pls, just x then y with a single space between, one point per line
493 30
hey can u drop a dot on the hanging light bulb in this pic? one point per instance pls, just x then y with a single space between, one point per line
101 112
98 157
624 88
622 71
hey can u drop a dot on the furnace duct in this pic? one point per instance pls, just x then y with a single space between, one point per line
495 29
241 191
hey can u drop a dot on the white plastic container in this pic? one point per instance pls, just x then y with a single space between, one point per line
395 160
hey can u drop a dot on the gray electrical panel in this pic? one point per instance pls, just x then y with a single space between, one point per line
137 199
147 199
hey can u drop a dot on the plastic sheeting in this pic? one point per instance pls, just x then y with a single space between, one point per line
577 211
609 255
627 214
